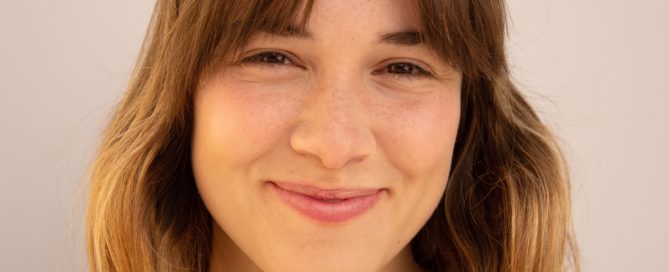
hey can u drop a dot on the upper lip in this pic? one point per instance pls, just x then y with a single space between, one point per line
326 194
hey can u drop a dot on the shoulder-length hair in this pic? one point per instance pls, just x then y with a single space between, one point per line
507 202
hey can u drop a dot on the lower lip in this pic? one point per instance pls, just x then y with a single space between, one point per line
327 212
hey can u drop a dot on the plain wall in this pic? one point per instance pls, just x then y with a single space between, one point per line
596 70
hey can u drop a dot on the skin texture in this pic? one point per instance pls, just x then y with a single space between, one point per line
331 114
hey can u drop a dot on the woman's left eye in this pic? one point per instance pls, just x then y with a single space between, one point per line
404 70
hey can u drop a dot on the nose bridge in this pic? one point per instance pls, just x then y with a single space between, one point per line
333 127
336 103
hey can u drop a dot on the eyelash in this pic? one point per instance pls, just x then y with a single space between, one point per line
260 58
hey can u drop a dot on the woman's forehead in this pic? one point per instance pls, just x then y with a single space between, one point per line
390 22
392 14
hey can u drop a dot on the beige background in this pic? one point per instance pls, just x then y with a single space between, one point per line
596 69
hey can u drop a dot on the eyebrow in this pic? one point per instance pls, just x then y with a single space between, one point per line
405 38
402 38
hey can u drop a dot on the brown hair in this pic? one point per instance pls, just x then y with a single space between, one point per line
507 201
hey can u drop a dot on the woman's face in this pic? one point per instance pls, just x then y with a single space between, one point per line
326 150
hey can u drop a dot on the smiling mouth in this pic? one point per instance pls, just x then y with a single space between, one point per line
326 194
327 205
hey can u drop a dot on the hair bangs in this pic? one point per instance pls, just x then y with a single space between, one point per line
247 18
467 34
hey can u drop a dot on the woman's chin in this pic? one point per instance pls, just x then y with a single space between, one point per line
322 264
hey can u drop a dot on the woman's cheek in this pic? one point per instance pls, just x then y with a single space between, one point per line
246 119
420 135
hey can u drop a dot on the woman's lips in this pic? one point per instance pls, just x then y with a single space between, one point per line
328 206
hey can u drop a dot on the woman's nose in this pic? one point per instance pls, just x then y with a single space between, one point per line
333 126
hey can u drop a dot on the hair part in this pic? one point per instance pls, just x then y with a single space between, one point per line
507 201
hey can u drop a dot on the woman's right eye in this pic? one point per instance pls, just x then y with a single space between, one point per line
268 58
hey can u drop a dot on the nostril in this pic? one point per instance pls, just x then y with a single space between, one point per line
334 132
333 146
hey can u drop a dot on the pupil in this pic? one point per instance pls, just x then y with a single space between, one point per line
272 58
401 68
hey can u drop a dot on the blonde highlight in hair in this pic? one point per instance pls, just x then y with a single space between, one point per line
507 201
